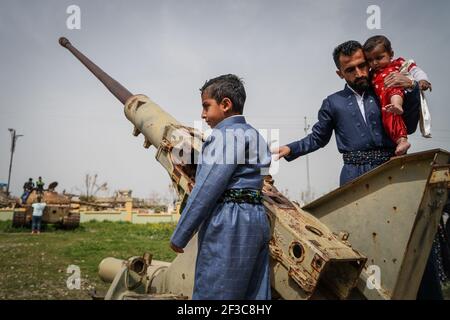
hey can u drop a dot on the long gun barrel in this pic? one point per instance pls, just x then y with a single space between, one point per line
308 260
119 91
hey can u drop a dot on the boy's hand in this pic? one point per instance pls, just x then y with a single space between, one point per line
425 85
281 152
176 249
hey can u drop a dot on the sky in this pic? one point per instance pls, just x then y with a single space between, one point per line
73 126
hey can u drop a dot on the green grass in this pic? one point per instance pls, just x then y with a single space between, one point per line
34 266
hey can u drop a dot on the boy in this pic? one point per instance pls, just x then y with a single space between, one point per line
380 55
40 185
226 202
38 210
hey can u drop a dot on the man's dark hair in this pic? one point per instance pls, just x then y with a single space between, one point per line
39 199
372 42
346 49
226 86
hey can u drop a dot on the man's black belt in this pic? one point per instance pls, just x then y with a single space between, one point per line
371 157
251 196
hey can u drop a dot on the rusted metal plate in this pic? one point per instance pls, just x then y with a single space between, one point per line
440 174
391 216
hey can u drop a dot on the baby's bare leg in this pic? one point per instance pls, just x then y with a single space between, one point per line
396 105
402 146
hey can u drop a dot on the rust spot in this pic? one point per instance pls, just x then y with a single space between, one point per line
390 178
394 260
374 235
315 243
395 208
139 103
183 276
388 221
314 230
367 186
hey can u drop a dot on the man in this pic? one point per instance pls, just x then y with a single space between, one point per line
38 210
27 189
355 116
40 185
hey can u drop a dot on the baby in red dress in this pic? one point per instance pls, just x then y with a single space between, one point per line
380 55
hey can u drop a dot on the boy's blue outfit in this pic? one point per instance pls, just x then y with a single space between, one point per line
233 251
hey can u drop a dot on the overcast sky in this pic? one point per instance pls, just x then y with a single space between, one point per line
167 49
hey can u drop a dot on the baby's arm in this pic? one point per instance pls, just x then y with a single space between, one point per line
396 105
420 76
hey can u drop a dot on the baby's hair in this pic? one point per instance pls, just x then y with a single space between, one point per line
226 86
372 42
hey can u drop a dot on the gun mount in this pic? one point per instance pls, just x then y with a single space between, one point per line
311 254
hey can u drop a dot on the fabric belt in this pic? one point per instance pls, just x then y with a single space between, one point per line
251 196
371 157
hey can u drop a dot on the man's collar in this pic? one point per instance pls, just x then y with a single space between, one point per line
353 91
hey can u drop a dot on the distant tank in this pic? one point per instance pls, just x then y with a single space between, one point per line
58 210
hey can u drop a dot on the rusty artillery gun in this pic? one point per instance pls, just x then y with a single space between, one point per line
329 249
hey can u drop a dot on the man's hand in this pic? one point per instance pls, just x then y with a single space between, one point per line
397 79
176 249
281 152
425 85
393 108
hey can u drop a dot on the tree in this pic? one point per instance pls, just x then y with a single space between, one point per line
92 187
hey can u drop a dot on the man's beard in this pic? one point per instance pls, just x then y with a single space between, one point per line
360 84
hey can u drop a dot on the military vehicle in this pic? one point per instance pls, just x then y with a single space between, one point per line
6 201
369 239
58 210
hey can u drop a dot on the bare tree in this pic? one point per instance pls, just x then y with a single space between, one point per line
92 187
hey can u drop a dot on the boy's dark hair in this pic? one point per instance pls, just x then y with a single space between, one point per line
227 86
347 48
38 199
372 42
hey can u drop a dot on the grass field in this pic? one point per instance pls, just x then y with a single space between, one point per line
35 266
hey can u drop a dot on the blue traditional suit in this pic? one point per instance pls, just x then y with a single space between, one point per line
340 112
233 256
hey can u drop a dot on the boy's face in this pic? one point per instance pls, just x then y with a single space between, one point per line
378 58
214 112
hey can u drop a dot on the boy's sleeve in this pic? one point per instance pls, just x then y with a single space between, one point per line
211 181
318 138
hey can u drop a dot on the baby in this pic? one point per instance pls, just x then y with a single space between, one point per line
380 55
